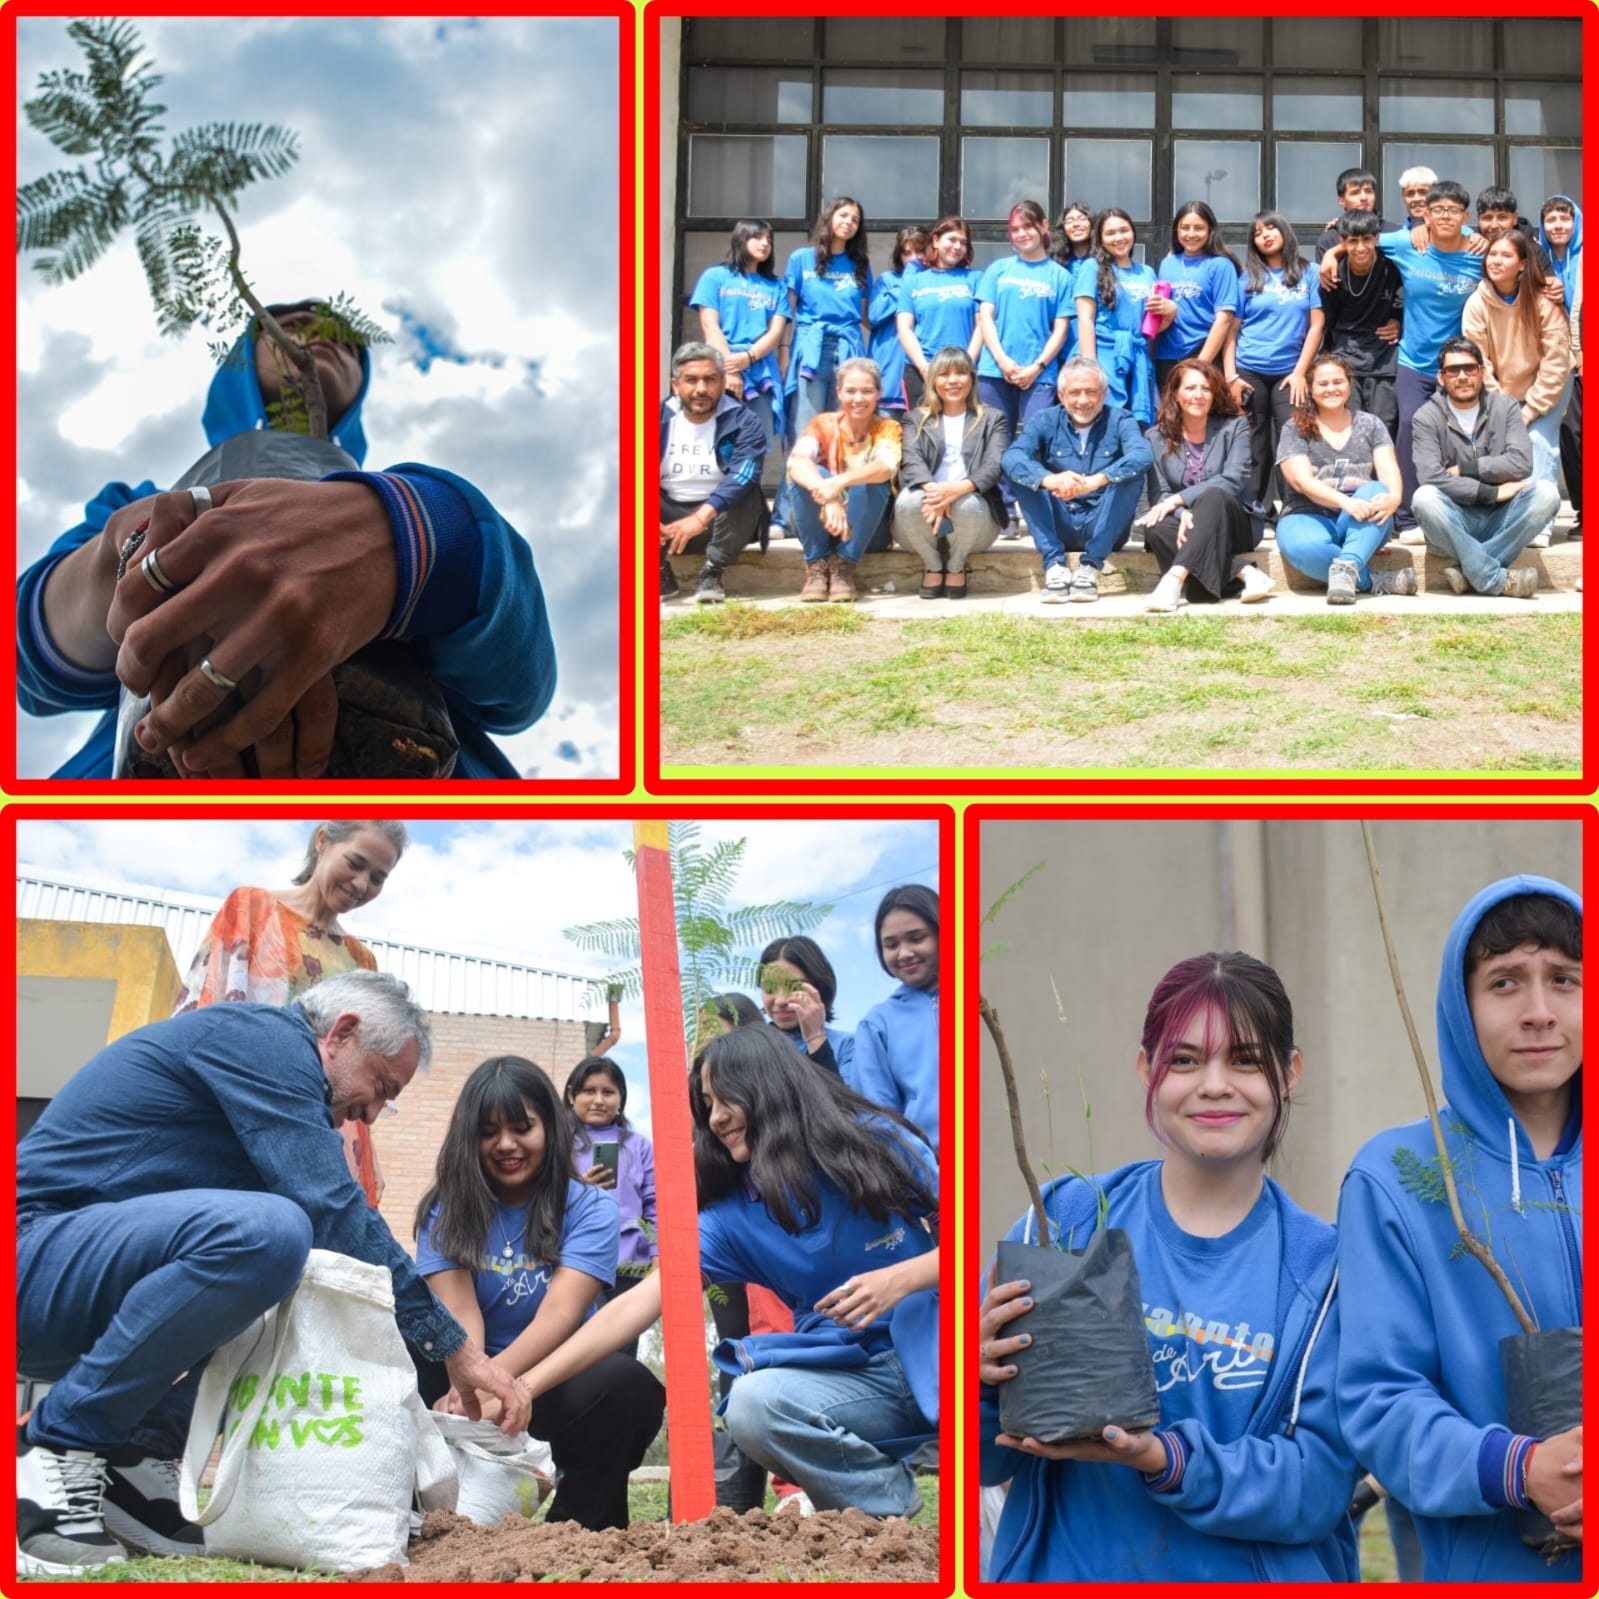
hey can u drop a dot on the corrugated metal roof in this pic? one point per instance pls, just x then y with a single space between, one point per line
447 981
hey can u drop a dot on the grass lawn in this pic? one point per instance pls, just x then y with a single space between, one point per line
832 686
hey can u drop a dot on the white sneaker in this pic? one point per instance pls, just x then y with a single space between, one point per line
1539 541
1167 594
1257 584
1521 583
1057 585
1456 579
1085 584
1343 578
142 1509
1412 535
59 1527
795 1504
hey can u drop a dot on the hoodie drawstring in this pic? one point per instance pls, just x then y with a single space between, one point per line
1304 1364
1515 1169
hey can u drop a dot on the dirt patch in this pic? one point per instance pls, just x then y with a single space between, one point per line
838 1545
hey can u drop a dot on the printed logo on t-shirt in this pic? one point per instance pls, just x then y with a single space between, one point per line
763 296
888 1241
1187 289
941 292
524 1279
1027 288
1231 1355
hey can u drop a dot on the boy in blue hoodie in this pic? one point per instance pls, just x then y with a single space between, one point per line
1420 1391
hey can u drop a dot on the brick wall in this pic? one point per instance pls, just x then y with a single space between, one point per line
408 1143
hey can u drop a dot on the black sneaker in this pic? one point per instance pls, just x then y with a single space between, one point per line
59 1525
669 589
709 590
143 1512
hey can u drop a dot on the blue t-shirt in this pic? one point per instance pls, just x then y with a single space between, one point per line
944 305
885 348
1275 320
745 303
1133 286
1201 285
830 299
1028 298
1437 287
511 1285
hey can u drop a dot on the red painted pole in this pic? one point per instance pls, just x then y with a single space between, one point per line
688 1388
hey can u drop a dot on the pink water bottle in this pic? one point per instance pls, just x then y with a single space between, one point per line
1150 326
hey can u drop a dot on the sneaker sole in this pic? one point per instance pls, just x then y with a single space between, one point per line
1055 597
32 1566
1083 599
1340 599
710 599
138 1538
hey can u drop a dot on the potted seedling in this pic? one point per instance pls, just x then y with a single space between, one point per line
1542 1366
1088 1365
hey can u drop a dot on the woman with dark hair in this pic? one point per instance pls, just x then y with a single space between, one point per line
1269 348
1110 296
1198 519
829 289
832 1204
1073 247
1246 1477
798 987
1198 313
517 1249
724 1012
883 316
938 304
896 1059
1343 484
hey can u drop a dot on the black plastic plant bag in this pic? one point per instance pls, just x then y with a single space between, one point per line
1543 1396
1088 1366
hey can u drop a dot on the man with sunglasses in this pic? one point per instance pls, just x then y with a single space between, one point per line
1476 500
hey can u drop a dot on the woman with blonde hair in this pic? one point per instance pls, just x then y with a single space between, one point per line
949 506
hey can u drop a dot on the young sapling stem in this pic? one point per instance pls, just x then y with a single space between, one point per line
1008 1072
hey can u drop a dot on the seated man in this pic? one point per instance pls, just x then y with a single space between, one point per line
843 467
168 1196
1421 1391
1357 191
289 559
1362 312
712 451
1076 470
1476 499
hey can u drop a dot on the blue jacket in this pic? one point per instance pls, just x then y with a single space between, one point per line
225 1097
1271 1506
740 448
895 1059
841 1043
468 596
1420 1392
1569 266
1048 443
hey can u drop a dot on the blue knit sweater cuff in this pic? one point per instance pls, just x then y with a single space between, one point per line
1169 1480
1502 1466
78 684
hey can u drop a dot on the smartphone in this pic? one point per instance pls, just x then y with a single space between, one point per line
605 1155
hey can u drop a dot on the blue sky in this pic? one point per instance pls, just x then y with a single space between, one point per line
446 172
510 887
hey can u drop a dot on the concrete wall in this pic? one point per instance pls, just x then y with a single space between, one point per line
1118 902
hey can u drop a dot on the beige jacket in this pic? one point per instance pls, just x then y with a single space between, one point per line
1533 372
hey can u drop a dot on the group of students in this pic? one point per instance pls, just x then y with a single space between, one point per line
1291 1356
929 372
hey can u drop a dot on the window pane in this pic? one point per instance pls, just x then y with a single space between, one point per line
890 177
882 95
1460 44
1317 105
746 175
1307 184
1216 42
1316 42
996 173
1440 105
1025 39
885 38
1223 173
1471 165
987 251
748 94
1008 99
1110 41
1549 108
1103 172
1215 102
749 38
1109 100
1536 174
1542 44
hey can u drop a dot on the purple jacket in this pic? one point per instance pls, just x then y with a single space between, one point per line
634 1192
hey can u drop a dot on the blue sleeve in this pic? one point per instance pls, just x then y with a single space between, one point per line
884 306
590 1232
904 303
743 472
1229 287
1396 244
869 1073
794 275
843 1054
719 1260
428 1259
1066 294
987 285
707 291
1085 279
1134 457
1312 281
1021 463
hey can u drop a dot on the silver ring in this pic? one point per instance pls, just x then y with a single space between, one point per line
130 548
155 577
202 498
220 679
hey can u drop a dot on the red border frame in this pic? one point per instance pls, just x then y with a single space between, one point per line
943 815
627 330
976 1250
943 783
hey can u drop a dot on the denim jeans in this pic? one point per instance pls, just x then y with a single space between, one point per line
1545 433
1096 523
866 506
1483 540
1412 389
1015 405
819 1427
116 1301
1313 540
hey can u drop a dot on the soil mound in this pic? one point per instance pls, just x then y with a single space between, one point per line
844 1545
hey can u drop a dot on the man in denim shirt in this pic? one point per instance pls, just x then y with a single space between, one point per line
168 1196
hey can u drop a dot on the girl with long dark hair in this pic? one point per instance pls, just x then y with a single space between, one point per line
1110 297
1198 314
938 304
518 1250
829 285
883 316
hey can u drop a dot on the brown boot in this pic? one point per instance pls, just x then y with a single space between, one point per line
841 591
815 582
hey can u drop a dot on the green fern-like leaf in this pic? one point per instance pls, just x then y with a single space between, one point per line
1422 1177
1009 893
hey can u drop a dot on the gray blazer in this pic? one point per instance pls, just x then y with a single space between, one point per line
1228 461
982 446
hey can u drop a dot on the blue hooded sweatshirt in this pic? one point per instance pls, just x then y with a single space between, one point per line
1271 1505
468 596
1569 264
1420 1392
895 1058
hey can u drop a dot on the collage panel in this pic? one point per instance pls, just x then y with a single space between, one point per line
343 467
1224 1234
342 1178
1132 345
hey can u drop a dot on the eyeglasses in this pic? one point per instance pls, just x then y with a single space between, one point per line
1463 371
1446 211
389 1108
